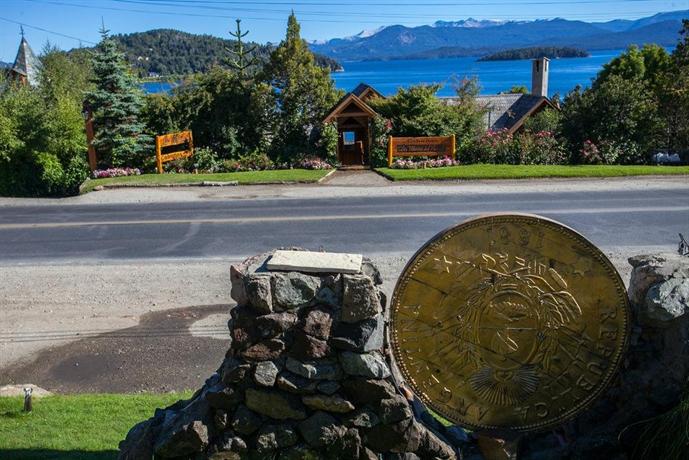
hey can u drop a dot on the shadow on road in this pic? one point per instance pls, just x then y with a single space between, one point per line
158 355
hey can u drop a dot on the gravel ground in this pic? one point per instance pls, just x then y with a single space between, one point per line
127 327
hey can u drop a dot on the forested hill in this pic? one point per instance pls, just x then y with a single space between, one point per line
172 52
536 52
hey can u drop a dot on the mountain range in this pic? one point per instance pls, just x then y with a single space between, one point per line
473 37
5 65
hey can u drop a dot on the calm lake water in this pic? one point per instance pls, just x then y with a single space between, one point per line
494 77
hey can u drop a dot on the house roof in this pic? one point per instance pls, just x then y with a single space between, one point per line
363 90
507 111
26 63
349 98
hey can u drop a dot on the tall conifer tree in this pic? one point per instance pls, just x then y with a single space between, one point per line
116 103
305 93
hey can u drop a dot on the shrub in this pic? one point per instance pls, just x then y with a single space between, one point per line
252 162
541 148
380 130
327 143
52 174
205 160
312 163
589 154
492 147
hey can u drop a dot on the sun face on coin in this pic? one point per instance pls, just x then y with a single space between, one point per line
509 322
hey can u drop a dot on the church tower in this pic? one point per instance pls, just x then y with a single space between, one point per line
25 67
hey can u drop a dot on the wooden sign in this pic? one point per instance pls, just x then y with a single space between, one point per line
173 146
432 146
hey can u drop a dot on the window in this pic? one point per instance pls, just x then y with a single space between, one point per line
348 137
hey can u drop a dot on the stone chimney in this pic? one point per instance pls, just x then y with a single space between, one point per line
539 76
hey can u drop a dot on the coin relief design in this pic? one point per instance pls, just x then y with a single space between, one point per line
509 322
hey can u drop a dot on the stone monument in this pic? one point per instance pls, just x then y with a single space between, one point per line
305 377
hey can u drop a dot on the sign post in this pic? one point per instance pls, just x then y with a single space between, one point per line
174 146
432 146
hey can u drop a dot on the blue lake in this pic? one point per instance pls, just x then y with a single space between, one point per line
494 77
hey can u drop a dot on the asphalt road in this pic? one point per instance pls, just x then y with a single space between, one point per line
370 225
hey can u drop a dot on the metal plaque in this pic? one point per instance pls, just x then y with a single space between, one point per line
509 323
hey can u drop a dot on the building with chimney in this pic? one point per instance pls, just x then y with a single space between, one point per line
508 112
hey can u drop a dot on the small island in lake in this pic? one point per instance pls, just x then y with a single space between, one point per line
535 52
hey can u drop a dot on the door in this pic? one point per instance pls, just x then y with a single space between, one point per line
352 150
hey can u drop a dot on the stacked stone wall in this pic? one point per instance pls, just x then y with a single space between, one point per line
305 377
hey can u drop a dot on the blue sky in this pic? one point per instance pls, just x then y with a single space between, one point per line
265 19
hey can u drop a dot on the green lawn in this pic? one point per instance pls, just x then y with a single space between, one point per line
244 178
87 427
485 171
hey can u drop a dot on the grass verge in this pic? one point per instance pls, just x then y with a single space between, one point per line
84 427
486 171
243 178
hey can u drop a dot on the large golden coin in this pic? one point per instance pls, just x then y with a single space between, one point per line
509 323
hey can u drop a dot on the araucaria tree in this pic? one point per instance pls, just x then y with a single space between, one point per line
304 91
116 103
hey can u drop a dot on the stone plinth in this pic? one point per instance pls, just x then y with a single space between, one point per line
305 378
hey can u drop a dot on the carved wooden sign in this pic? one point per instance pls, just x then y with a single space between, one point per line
509 323
432 146
173 146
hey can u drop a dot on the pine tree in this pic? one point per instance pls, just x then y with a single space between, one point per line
244 58
116 103
305 94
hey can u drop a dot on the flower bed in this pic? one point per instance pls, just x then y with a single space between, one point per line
423 164
115 172
313 163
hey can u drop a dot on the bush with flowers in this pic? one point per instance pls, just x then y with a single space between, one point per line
252 162
589 154
311 162
115 172
524 148
423 164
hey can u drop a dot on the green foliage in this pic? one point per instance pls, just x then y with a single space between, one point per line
525 148
116 102
547 120
205 160
417 111
648 64
616 111
304 93
42 140
225 113
327 143
519 89
255 161
380 131
159 114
